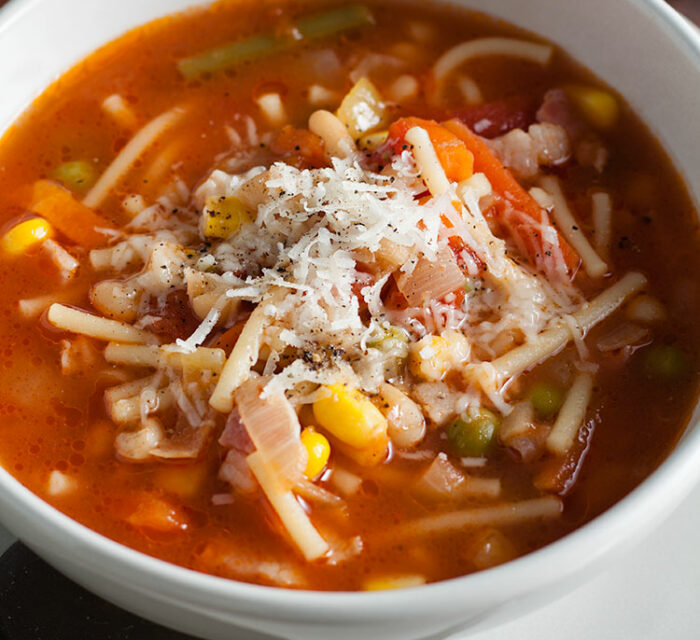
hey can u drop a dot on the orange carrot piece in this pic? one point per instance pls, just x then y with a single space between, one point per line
486 162
156 514
454 156
227 340
72 218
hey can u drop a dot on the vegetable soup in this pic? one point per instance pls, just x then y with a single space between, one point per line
340 296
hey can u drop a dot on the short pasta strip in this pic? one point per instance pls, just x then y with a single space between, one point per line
568 226
571 415
602 221
82 322
129 389
426 158
498 515
119 110
242 358
293 517
153 356
129 154
458 55
332 131
128 410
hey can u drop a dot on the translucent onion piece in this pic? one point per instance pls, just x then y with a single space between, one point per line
624 335
273 427
431 280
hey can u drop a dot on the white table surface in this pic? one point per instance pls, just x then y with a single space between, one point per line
652 594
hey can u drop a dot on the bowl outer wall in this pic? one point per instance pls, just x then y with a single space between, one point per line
643 49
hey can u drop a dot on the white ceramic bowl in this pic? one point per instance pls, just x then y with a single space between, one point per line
642 48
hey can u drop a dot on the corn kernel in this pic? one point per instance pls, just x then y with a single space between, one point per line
599 107
433 356
223 216
362 109
371 141
383 583
25 235
318 450
352 418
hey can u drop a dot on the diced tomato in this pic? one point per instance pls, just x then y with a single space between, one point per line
493 119
300 147
176 318
458 246
455 158
228 338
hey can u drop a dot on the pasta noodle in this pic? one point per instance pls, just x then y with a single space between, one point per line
427 161
242 358
458 55
571 415
154 356
129 154
128 410
497 515
70 319
570 228
327 126
602 221
295 520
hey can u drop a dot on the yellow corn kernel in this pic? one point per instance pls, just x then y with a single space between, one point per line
371 141
599 107
362 109
223 216
433 356
25 235
383 583
318 450
352 418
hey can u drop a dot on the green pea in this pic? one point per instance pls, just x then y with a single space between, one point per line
78 175
473 433
665 362
546 398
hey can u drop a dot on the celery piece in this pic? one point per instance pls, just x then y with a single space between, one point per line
322 25
231 54
314 27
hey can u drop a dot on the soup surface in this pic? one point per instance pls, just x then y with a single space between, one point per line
340 296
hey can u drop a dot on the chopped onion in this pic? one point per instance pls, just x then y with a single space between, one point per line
431 280
273 428
624 335
441 480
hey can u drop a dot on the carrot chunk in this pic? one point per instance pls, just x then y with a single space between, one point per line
73 219
453 154
156 514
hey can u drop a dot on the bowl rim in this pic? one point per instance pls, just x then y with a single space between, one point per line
563 557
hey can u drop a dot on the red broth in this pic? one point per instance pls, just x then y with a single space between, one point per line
642 397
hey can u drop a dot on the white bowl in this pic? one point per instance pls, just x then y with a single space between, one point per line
642 48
